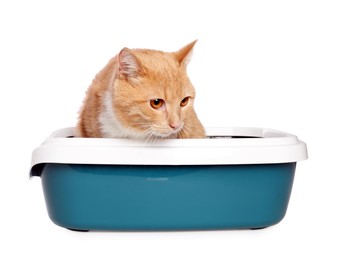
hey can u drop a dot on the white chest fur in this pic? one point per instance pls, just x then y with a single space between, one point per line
110 125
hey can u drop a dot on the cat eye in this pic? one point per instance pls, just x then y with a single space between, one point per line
184 102
156 103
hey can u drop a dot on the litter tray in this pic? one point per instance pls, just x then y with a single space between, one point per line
236 178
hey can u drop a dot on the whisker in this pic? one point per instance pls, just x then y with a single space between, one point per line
184 132
143 135
150 136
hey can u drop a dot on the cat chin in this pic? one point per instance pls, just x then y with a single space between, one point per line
164 132
169 135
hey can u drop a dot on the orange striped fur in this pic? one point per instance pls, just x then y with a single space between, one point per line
142 94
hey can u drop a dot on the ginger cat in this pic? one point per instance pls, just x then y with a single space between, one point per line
142 94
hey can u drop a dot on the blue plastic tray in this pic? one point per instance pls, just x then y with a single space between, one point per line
205 196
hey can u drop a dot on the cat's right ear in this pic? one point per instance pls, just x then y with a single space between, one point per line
129 65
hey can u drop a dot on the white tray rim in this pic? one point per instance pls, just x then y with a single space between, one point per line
271 146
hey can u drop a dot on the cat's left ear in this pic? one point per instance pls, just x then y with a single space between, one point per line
184 54
129 65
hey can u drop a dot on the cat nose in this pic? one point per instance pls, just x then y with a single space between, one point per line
175 125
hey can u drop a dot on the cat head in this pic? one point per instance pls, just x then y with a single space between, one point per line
152 95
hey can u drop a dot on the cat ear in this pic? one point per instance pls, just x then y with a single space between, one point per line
184 54
129 65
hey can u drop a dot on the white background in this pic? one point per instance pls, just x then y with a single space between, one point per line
273 64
